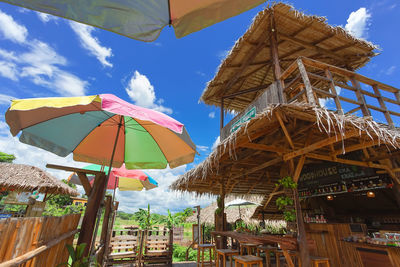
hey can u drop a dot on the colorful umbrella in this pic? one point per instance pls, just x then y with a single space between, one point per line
125 180
143 19
102 129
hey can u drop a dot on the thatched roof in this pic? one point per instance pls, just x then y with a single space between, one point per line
251 159
207 214
248 65
28 178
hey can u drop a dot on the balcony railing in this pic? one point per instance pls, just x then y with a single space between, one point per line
333 88
341 90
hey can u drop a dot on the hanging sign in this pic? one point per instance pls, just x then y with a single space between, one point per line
245 118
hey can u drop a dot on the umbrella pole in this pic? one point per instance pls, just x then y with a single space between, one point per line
105 190
115 188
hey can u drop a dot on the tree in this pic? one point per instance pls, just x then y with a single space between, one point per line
61 200
4 157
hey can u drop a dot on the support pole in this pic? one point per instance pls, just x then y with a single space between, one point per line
222 114
105 233
220 217
275 58
89 219
301 232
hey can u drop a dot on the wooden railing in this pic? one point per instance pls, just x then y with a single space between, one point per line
341 90
36 241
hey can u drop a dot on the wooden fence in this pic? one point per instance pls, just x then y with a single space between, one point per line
36 241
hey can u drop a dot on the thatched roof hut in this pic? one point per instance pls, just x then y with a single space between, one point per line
207 214
28 178
251 159
249 63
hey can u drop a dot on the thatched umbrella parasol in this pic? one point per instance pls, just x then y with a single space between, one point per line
23 177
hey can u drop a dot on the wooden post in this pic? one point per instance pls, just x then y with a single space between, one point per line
333 90
383 106
360 97
93 205
307 83
301 232
220 218
222 115
105 230
275 59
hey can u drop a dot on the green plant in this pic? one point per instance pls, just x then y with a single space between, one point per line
283 201
4 157
289 215
77 258
287 182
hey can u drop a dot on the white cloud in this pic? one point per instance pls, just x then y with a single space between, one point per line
211 114
216 143
357 23
8 70
46 17
5 100
91 43
41 64
202 148
142 93
200 73
390 70
11 30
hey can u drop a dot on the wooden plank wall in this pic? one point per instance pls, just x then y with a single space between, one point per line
328 238
21 235
269 96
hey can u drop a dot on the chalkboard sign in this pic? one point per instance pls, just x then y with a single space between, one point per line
331 173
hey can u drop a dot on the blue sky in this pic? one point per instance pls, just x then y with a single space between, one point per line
43 56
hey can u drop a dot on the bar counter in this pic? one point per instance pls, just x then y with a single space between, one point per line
377 255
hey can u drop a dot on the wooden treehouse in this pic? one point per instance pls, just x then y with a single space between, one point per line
300 104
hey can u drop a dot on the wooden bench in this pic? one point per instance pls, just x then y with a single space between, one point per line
158 245
124 247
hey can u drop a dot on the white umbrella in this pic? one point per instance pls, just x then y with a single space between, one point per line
240 202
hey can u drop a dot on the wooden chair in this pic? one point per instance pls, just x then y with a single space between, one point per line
158 245
125 247
250 248
316 261
224 253
247 260
268 250
200 254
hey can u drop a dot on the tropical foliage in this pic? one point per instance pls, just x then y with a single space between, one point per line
4 157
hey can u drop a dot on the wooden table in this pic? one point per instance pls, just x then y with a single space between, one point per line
285 242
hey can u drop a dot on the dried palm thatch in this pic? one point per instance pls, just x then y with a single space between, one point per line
28 178
251 159
207 214
249 63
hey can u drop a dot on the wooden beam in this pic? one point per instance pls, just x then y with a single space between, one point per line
360 97
72 169
312 47
307 83
355 147
346 161
262 147
245 62
333 91
320 144
285 131
299 167
250 90
383 106
85 182
270 196
260 167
